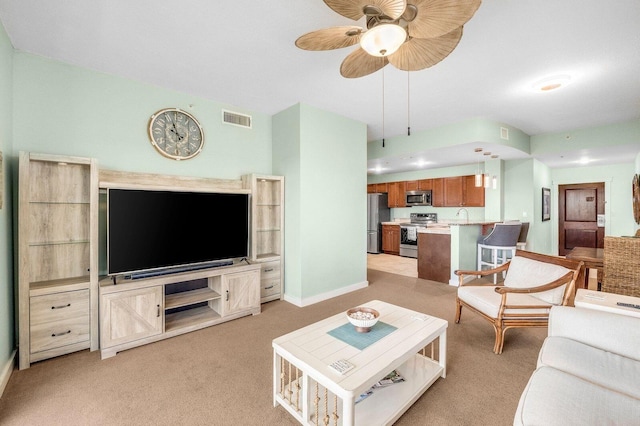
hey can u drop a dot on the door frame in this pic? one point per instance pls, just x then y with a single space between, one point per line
555 211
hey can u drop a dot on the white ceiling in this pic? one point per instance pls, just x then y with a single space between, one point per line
242 52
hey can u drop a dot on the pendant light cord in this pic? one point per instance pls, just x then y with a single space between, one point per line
408 106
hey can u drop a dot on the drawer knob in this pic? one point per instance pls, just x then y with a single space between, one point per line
60 334
61 306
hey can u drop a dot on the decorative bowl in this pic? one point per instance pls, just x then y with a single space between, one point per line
363 318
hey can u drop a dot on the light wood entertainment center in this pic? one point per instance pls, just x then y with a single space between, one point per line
64 305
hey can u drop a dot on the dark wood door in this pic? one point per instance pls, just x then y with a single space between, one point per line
578 207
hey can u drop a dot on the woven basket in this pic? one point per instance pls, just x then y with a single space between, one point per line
622 266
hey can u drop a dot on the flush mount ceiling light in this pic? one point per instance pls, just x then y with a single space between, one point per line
548 84
424 32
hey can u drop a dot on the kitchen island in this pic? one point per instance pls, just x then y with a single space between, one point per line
447 246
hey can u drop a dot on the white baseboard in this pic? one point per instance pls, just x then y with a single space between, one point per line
325 296
6 372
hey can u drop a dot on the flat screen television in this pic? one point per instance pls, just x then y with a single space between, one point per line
164 231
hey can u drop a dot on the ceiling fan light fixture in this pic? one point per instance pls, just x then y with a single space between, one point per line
383 39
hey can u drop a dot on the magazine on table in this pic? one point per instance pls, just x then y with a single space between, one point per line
388 380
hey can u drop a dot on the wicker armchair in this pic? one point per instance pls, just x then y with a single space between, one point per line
534 283
621 265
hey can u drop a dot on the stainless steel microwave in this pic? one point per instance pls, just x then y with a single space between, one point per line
418 198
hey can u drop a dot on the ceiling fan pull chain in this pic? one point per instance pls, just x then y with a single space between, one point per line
408 107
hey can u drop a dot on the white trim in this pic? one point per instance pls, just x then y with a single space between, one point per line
6 372
325 296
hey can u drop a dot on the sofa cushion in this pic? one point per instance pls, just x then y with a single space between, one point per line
615 333
524 272
486 300
610 370
553 397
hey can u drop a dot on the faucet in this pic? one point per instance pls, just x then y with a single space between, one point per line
465 210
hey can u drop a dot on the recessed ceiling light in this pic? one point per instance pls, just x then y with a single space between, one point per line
548 84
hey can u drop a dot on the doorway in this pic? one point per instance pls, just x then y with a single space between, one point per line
579 206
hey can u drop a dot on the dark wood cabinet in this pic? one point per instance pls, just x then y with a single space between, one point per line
377 188
425 184
391 239
473 195
460 191
454 191
396 193
437 192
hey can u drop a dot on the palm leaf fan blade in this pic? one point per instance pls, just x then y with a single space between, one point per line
420 53
354 9
330 38
438 17
359 63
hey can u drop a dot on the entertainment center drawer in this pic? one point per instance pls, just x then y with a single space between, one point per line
59 333
270 271
59 306
269 288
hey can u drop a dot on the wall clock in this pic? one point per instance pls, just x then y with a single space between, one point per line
635 187
176 134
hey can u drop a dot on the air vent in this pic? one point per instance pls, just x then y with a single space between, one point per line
236 119
504 133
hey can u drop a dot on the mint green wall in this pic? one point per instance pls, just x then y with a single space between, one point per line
286 162
63 109
6 247
329 236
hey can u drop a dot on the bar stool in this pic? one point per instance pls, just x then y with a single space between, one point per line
500 243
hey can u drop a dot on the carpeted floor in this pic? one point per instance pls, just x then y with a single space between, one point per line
222 375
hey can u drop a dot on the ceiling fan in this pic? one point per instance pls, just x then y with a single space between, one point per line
409 34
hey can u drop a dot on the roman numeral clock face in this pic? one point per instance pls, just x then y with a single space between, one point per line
176 134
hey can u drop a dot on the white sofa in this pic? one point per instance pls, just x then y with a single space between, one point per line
588 371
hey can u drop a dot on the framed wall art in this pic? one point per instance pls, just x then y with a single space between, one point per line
546 204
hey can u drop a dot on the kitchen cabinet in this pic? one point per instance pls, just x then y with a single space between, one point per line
411 185
425 184
380 188
396 194
391 239
437 192
453 191
473 195
460 191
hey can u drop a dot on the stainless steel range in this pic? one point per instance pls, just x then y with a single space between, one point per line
409 232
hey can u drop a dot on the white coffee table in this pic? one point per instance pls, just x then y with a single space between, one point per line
608 302
305 385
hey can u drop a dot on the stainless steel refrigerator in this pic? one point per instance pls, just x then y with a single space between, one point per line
377 212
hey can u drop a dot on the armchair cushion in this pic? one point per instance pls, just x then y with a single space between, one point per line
524 272
486 300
